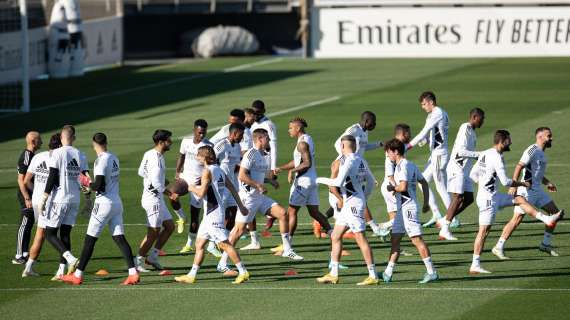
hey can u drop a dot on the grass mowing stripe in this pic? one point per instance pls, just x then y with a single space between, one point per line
288 289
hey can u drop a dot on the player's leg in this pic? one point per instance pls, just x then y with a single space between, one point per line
364 246
319 217
508 229
24 232
162 238
239 228
395 240
117 230
56 216
35 250
194 224
179 187
336 249
370 221
457 200
423 250
549 220
391 208
279 213
292 219
440 179
198 258
546 244
230 220
436 214
478 246
232 253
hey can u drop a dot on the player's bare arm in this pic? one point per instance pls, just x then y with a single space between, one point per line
516 175
425 190
245 178
201 190
235 194
549 185
179 164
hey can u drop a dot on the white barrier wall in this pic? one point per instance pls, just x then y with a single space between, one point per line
440 32
103 40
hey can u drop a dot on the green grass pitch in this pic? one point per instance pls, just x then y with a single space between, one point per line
128 103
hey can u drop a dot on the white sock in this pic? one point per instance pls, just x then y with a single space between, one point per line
254 237
429 265
476 260
78 273
500 243
191 239
373 225
211 246
69 257
390 268
60 269
547 240
25 254
388 224
286 239
444 225
180 213
132 271
372 271
139 260
436 213
194 270
241 268
334 268
29 265
542 217
223 260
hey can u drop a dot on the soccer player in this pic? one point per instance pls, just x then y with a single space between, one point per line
351 200
236 116
107 210
458 168
303 175
402 133
189 171
532 165
228 155
153 171
36 179
33 144
215 186
406 177
488 172
254 171
360 132
435 131
66 167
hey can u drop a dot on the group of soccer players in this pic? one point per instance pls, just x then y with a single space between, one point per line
226 177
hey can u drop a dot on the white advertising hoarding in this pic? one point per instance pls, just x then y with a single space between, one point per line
440 32
103 45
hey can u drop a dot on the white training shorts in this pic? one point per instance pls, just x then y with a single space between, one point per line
458 182
389 197
333 203
538 198
352 215
106 213
407 221
258 203
300 195
488 208
215 232
57 214
156 212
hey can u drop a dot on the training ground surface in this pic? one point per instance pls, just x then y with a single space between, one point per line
129 103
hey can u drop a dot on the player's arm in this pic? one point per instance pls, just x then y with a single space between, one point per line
389 171
370 179
516 175
425 190
374 145
180 164
23 165
156 181
288 166
200 191
271 178
431 122
219 136
306 162
461 142
475 173
403 185
549 185
28 182
273 145
502 175
99 170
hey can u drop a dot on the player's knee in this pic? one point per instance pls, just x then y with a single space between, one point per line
168 225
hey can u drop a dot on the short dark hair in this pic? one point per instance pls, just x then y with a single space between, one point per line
351 140
501 135
395 145
200 123
478 112
100 139
161 135
301 121
427 95
55 141
258 106
401 127
238 113
540 129
368 115
208 153
236 127
259 132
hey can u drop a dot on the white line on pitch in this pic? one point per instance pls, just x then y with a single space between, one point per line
154 85
189 288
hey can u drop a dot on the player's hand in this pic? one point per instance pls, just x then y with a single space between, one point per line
276 171
512 191
425 208
177 176
290 177
28 203
261 188
174 196
274 183
390 188
551 187
527 184
380 144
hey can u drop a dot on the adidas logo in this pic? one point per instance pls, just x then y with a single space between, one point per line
73 165
42 168
115 166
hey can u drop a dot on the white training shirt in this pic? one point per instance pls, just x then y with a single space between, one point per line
308 177
488 171
390 166
352 175
228 156
224 132
153 171
361 137
534 161
192 170
39 168
463 151
107 165
269 126
214 198
70 163
255 162
437 127
407 171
